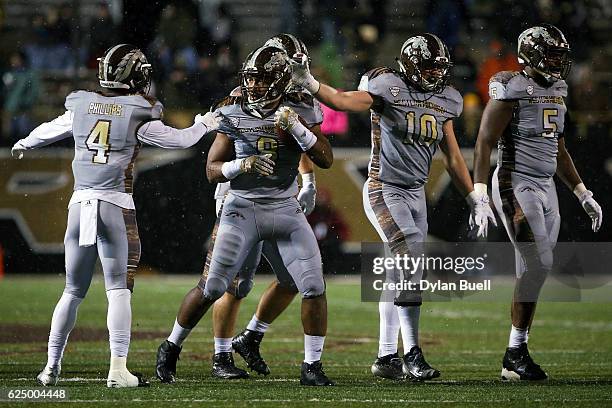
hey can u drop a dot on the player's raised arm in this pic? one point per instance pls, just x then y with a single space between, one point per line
311 141
220 167
158 134
350 101
45 134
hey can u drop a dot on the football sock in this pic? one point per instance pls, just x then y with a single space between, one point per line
62 322
409 321
313 348
257 325
119 321
389 329
223 345
179 334
517 337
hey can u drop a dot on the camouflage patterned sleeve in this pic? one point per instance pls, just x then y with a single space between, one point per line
505 86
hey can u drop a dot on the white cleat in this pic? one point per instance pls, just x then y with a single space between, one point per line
49 376
125 379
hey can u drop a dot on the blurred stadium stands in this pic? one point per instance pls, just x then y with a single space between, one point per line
196 48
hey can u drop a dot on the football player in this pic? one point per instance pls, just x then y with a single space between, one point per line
108 128
526 117
279 293
412 112
267 139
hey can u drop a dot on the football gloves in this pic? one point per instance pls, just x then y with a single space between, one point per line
308 193
591 208
262 165
480 212
286 118
17 151
300 73
212 120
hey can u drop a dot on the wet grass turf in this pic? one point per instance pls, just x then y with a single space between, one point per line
466 341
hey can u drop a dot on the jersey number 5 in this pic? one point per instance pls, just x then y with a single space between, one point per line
427 132
549 127
97 141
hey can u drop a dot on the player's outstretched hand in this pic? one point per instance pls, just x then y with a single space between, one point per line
592 209
300 73
285 118
17 151
262 165
307 197
212 120
480 213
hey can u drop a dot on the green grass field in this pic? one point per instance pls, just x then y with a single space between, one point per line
466 341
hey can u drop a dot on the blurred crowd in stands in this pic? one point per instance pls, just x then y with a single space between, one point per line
196 55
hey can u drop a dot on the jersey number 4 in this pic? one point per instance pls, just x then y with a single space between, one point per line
427 131
97 141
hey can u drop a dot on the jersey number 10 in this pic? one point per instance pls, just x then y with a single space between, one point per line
427 131
97 141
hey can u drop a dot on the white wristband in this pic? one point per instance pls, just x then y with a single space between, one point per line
308 178
579 189
303 136
312 85
231 169
480 188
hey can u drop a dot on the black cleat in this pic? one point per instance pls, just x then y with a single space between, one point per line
518 365
312 374
416 368
247 345
167 355
223 367
389 366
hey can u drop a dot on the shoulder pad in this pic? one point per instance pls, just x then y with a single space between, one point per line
373 81
72 98
151 99
503 77
503 86
226 101
373 73
455 100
